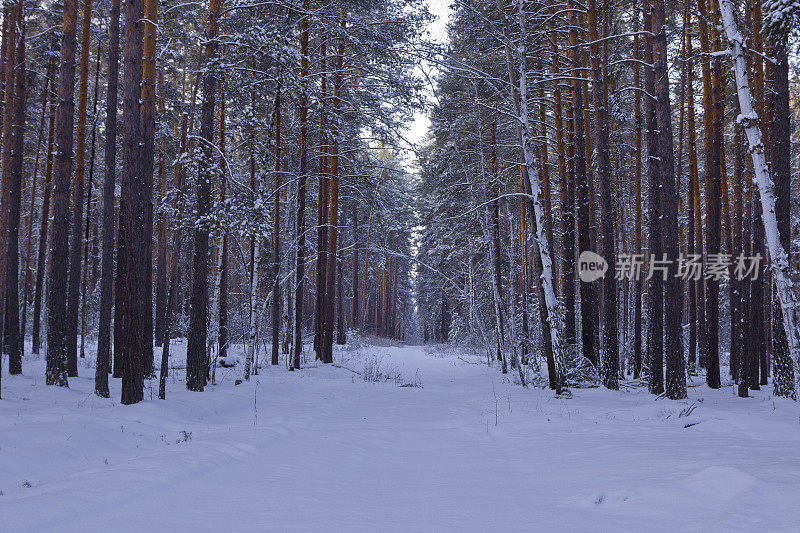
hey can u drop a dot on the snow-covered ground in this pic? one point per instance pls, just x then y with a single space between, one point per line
321 449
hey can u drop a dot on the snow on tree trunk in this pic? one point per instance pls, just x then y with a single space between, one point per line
749 120
252 320
553 312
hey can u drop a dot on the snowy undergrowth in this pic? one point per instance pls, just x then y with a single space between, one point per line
323 448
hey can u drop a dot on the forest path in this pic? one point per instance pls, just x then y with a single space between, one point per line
322 449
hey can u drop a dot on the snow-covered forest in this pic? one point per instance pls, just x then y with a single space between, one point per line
399 265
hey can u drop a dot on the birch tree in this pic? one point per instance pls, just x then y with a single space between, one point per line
748 118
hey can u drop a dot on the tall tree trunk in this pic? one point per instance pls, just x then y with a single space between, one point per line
757 342
301 191
566 179
119 294
76 242
673 299
655 295
714 210
493 211
355 308
588 293
148 129
708 121
524 285
783 371
764 107
57 328
741 228
174 282
255 189
333 214
323 190
196 371
162 282
5 188
222 299
610 360
638 249
41 254
29 269
694 244
276 234
544 176
103 364
341 323
87 244
16 93
4 63
132 212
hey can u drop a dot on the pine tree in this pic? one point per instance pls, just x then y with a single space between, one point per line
57 326
133 210
610 359
103 365
15 94
76 241
196 365
675 375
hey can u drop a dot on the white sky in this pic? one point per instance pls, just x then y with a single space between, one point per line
438 32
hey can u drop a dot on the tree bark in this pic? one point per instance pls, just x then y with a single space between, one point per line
341 322
16 140
276 234
783 371
29 269
673 295
133 211
566 179
655 287
196 369
694 244
301 192
87 244
638 249
610 360
119 294
78 191
222 299
103 364
329 312
177 241
162 274
41 255
708 121
4 60
11 37
57 327
742 229
148 127
355 309
323 190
